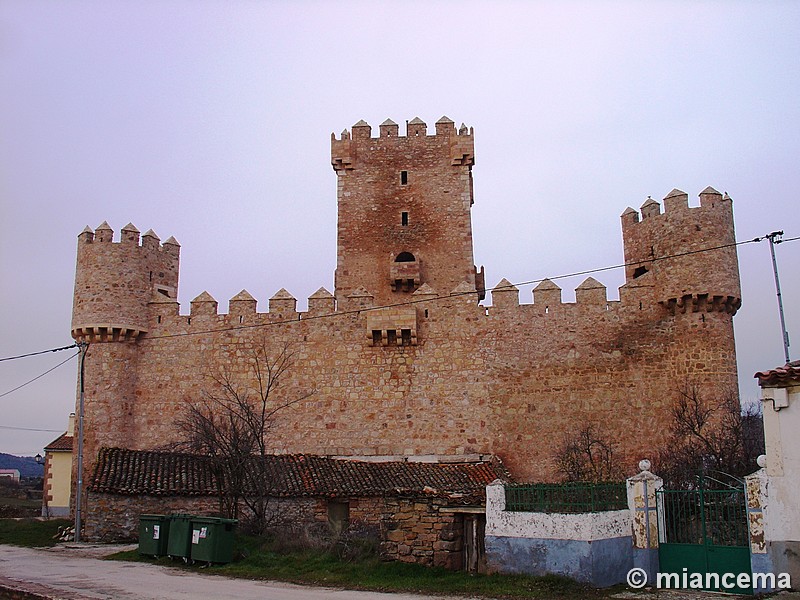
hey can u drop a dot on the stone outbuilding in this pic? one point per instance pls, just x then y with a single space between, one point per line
424 510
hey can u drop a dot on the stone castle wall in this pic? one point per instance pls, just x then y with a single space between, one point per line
439 374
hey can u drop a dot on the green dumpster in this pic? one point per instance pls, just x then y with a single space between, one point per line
180 536
212 539
153 534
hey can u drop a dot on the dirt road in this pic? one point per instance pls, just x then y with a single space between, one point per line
80 575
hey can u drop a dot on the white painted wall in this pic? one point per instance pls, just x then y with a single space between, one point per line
782 437
584 526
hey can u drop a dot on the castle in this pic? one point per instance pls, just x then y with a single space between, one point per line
403 359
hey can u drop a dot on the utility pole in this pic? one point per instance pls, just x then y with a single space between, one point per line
84 347
775 238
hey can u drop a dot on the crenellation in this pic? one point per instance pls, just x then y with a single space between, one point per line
283 303
150 240
591 293
710 197
361 131
242 306
547 293
675 201
445 127
416 127
162 307
321 302
629 216
650 208
204 305
505 295
171 246
104 233
129 235
360 298
389 128
86 236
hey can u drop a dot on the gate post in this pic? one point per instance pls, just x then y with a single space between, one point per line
644 517
756 486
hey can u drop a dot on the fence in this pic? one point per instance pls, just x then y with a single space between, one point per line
566 498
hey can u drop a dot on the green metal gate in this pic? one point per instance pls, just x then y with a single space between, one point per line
703 534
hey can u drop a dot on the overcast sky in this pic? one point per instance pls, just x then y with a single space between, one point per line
211 122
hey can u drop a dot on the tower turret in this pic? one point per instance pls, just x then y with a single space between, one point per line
404 210
115 281
687 253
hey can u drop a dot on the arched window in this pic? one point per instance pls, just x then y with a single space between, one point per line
405 257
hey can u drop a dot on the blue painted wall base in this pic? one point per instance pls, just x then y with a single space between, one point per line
647 559
761 563
601 563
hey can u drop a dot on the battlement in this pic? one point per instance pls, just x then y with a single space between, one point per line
676 203
459 142
415 128
546 297
129 236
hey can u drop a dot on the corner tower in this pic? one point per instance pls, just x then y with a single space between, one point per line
687 255
404 208
115 284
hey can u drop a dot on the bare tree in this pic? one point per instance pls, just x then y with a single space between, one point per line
587 456
230 425
711 437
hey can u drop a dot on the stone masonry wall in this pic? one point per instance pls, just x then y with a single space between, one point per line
496 381
511 379
411 530
115 517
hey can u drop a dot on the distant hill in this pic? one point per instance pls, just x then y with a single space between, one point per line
26 465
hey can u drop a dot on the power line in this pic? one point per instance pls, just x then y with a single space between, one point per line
37 353
29 429
416 301
455 295
39 376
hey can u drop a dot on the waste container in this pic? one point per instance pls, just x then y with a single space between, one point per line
180 536
212 539
153 534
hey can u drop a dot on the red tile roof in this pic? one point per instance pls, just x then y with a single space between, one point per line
788 373
122 471
61 443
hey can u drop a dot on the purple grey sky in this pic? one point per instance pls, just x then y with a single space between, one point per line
211 121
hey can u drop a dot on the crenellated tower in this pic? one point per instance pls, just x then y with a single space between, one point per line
404 206
115 281
115 286
687 255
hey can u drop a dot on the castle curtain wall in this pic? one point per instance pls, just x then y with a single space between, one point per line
511 380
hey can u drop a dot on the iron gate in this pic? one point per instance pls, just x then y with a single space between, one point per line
703 531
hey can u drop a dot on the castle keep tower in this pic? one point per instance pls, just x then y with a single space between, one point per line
404 211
